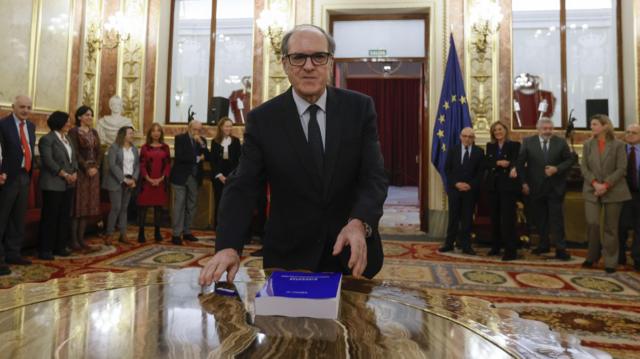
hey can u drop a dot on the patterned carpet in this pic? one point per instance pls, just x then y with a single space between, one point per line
603 310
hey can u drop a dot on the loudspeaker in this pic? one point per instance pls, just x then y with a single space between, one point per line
597 107
218 108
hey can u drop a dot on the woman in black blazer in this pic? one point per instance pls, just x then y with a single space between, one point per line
225 154
501 157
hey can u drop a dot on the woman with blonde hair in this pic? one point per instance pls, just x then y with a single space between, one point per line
500 158
604 166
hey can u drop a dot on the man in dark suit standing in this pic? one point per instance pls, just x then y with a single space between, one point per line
464 169
18 136
543 164
631 208
318 148
186 179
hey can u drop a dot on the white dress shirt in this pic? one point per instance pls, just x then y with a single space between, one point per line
302 105
26 135
462 156
127 161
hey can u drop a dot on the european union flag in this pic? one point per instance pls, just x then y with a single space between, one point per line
453 113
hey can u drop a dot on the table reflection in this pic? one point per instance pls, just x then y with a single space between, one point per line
166 314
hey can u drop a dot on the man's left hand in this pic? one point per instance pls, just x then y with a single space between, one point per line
3 178
353 235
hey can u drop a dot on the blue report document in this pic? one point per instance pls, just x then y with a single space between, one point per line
300 294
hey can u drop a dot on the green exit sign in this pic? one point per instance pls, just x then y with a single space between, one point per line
377 53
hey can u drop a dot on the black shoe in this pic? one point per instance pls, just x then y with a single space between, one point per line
563 255
469 251
46 256
189 237
4 269
17 260
587 264
509 257
141 236
157 235
494 252
176 240
541 250
62 253
610 270
257 253
445 248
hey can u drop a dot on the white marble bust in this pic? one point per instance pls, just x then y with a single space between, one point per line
108 126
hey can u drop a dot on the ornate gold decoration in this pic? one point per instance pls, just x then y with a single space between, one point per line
277 81
130 62
485 18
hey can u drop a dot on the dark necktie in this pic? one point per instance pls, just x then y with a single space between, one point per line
632 170
465 158
545 150
315 138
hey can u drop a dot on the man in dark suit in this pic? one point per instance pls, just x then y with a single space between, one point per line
464 170
318 148
186 178
631 208
18 136
543 164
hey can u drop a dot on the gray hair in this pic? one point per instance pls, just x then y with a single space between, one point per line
284 48
544 120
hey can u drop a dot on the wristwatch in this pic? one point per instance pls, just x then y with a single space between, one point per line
368 231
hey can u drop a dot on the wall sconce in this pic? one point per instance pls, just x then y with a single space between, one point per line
272 23
486 16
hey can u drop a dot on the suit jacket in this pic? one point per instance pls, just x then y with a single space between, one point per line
218 165
113 175
472 171
53 159
308 209
609 167
185 159
12 147
498 177
533 174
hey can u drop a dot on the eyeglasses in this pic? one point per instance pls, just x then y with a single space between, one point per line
468 136
317 58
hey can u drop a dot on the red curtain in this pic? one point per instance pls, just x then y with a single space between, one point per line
397 104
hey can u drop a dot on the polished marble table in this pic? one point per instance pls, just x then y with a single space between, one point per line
166 314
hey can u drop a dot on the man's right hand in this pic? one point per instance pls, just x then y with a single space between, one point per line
525 189
226 260
3 178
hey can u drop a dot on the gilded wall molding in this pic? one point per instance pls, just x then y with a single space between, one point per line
481 47
277 81
131 57
91 51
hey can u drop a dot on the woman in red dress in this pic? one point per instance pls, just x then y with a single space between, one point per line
155 163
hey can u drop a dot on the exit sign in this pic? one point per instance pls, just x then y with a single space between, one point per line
377 53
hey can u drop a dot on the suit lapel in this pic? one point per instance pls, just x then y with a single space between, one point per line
293 128
333 133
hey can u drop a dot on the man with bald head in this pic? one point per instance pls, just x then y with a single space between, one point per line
186 179
18 138
317 147
629 217
464 171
